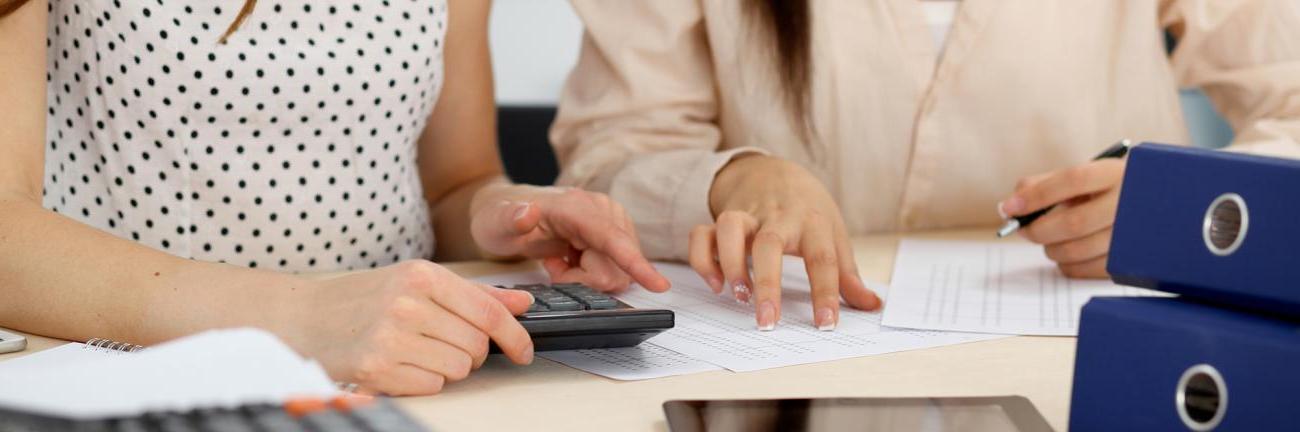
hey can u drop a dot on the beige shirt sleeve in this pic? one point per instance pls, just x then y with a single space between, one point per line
638 117
1245 55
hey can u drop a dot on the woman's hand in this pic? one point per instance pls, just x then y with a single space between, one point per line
408 328
767 207
580 236
1075 234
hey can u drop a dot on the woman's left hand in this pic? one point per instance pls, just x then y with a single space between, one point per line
580 236
1076 234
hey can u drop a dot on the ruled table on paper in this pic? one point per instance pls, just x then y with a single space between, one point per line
1005 287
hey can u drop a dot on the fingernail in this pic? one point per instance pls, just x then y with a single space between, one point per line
1001 213
741 292
1013 205
528 355
767 316
825 319
715 284
531 299
522 211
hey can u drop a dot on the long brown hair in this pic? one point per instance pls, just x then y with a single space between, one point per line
9 6
787 26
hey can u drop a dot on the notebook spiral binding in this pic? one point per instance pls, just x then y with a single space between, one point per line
107 345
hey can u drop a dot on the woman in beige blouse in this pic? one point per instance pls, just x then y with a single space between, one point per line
737 130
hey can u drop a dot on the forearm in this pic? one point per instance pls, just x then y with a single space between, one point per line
64 279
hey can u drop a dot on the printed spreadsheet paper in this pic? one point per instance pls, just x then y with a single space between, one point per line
1006 287
714 331
644 361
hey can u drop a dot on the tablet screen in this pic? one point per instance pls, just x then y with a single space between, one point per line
973 414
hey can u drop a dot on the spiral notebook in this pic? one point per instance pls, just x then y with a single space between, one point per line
72 353
220 368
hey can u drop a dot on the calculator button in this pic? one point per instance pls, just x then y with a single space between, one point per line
602 304
538 307
565 306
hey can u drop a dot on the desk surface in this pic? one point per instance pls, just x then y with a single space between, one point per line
1038 368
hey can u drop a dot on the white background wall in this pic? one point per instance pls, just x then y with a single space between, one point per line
534 44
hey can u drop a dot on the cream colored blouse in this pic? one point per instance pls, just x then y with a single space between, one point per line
666 92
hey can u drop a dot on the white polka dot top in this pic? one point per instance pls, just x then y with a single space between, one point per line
291 147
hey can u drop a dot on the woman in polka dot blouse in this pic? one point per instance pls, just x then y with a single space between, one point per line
173 166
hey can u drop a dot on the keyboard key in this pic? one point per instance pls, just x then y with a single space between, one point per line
171 422
132 424
225 421
330 421
274 418
538 307
383 416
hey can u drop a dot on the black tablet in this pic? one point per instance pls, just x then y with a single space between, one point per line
973 414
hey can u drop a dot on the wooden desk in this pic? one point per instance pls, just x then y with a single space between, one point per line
1039 368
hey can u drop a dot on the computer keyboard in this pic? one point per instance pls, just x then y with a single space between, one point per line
567 316
306 415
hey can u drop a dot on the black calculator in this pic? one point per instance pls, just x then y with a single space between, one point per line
569 316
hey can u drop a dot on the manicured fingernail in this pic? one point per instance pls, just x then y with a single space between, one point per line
522 211
1013 205
1001 213
531 299
825 319
766 316
741 292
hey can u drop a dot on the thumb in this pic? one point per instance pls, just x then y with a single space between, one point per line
516 301
524 217
497 228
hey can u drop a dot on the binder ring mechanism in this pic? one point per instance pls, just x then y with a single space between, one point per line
1201 398
1225 224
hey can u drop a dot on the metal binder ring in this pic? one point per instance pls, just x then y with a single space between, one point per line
1201 398
90 343
1225 224
111 346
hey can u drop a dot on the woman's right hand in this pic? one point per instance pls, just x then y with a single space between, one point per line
766 207
408 328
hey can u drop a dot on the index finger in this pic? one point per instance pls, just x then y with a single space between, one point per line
472 304
607 238
1062 185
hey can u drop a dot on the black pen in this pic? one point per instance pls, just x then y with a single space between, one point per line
1116 151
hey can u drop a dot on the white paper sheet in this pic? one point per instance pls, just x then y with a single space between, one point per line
644 361
714 331
718 330
1006 287
221 368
